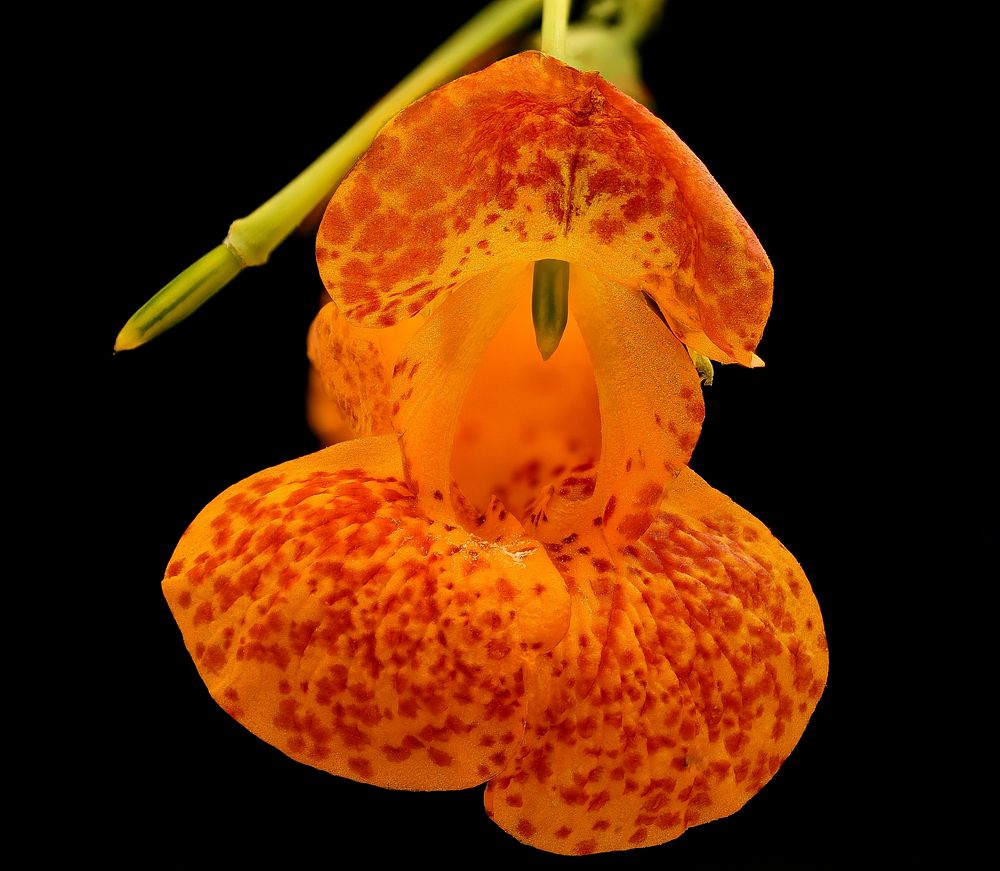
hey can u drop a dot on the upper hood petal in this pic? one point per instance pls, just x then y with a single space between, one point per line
532 159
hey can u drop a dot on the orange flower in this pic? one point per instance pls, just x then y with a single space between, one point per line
509 573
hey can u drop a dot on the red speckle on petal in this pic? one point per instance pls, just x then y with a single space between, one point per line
360 766
525 829
439 757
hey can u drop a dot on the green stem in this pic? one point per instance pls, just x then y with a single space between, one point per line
252 239
181 297
555 19
549 304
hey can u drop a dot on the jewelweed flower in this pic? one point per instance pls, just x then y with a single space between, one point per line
508 573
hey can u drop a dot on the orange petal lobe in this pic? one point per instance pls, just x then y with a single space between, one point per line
433 374
686 678
324 415
651 411
328 614
531 159
351 375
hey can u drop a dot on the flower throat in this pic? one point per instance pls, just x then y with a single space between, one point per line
527 453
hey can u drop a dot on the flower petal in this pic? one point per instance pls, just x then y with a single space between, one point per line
531 159
651 411
325 417
687 676
351 375
433 374
335 620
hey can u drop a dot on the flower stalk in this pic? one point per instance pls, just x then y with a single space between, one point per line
252 239
555 21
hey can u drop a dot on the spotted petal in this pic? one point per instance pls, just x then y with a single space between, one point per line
351 375
532 159
687 676
337 621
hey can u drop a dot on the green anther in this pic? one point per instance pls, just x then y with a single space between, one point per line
549 304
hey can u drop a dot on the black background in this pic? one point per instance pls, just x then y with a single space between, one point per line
220 116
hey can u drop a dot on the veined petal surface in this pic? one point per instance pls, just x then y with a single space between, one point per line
531 159
689 671
333 618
